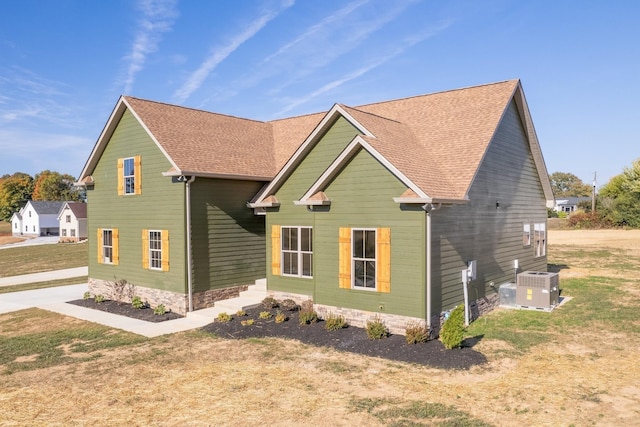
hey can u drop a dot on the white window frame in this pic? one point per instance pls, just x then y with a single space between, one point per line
356 259
73 232
64 232
526 234
540 239
299 253
107 249
129 181
155 249
68 219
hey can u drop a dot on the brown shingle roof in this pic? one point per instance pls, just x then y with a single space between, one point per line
79 209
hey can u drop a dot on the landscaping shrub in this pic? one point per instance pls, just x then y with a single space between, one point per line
99 298
334 322
137 302
265 315
247 322
289 305
241 313
86 295
453 329
224 317
307 314
416 332
281 317
269 303
376 329
160 310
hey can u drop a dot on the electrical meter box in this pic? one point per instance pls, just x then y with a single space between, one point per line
538 290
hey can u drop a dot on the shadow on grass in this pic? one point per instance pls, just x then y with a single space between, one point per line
557 268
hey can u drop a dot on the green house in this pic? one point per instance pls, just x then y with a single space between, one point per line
167 189
389 209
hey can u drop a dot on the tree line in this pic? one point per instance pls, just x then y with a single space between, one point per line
617 202
17 189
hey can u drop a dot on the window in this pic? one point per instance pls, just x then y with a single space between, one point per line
29 214
34 228
365 258
129 176
107 247
540 239
64 232
73 232
526 235
68 219
155 249
297 251
15 226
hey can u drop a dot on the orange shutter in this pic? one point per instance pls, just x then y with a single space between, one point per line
137 175
383 263
275 250
99 246
344 252
115 238
145 249
165 250
120 177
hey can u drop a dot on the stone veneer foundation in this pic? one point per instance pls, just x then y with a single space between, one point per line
395 323
173 301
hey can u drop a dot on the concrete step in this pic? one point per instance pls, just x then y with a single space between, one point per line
240 303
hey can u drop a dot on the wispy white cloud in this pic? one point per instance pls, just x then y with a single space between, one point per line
220 53
158 17
386 57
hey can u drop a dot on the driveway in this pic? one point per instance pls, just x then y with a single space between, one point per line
44 240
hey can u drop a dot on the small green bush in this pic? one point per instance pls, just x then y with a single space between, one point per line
416 332
160 310
86 295
99 298
334 322
269 303
281 317
376 329
289 305
241 313
223 317
453 329
265 315
137 302
307 317
247 322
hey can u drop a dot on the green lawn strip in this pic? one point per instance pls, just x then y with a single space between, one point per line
42 285
393 412
40 258
38 350
594 305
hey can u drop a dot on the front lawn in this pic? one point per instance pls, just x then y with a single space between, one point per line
36 259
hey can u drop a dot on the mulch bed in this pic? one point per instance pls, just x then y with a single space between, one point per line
350 339
124 309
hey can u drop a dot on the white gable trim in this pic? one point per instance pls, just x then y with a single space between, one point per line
114 119
328 120
349 152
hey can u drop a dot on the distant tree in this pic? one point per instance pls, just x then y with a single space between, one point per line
15 190
620 197
568 185
50 185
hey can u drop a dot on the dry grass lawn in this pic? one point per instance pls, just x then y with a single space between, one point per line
582 374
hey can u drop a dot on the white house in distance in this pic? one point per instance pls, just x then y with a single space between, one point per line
39 218
73 221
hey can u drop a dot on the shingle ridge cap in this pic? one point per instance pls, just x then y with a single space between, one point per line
199 110
438 93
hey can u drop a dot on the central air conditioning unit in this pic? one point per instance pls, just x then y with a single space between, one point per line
537 290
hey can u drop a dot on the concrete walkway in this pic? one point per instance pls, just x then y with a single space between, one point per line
42 240
44 276
55 299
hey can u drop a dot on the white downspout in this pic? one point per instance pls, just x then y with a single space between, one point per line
189 252
429 207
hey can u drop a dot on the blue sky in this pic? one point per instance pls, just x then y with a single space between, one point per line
64 63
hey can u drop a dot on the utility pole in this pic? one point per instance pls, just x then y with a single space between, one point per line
593 194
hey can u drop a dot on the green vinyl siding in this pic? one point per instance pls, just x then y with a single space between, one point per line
362 197
481 231
228 239
160 206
